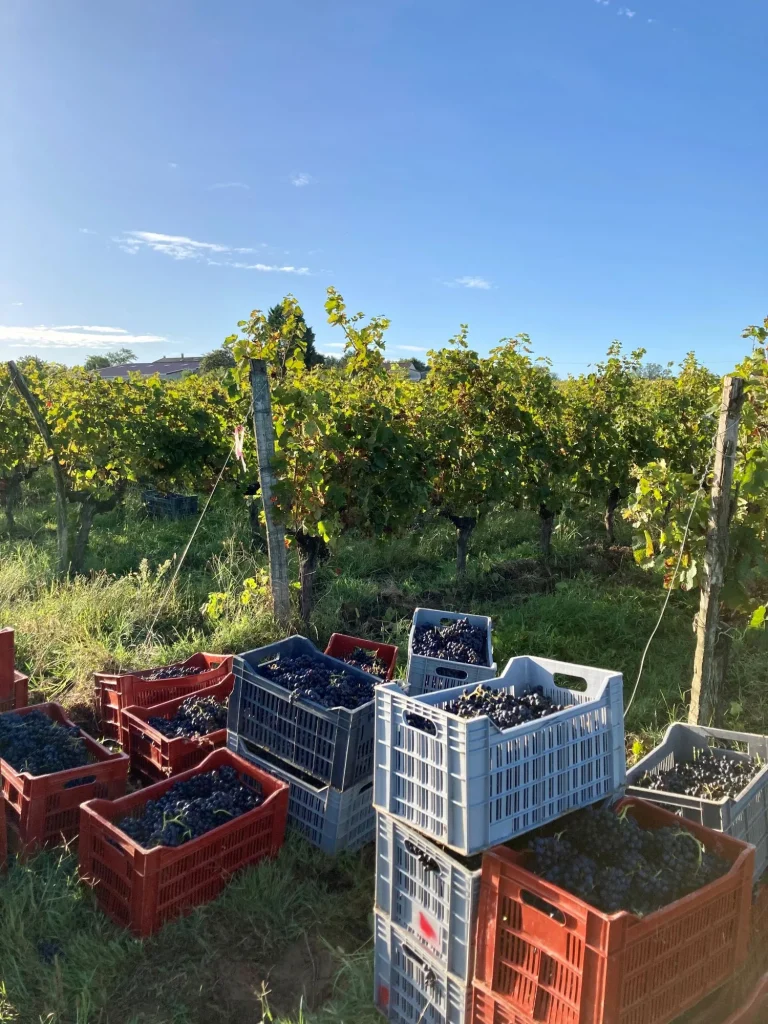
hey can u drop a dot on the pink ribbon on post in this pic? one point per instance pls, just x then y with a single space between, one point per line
239 440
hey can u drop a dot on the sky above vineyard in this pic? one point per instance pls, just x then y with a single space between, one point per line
581 170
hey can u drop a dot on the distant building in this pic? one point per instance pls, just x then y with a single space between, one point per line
407 365
171 369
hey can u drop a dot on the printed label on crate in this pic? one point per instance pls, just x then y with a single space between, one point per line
426 927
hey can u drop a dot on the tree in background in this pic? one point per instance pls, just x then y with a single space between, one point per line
218 359
116 358
299 336
419 365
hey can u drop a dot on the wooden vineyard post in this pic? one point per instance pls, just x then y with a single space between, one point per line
264 432
62 521
706 684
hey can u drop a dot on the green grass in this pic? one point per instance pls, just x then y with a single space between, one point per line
239 958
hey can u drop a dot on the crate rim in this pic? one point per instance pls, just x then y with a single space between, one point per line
435 698
74 773
370 645
132 712
721 802
141 673
99 808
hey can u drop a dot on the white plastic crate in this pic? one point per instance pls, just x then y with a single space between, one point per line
411 988
427 674
327 818
470 785
428 893
744 817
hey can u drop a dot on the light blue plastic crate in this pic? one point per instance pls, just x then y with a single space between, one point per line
425 675
430 894
470 785
327 818
410 987
744 817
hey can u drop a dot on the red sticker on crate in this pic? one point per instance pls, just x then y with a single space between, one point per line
427 930
383 997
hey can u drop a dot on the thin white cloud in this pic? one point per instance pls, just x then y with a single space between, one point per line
17 303
57 337
86 231
97 330
411 348
228 184
270 268
626 12
300 180
178 247
472 282
603 3
174 166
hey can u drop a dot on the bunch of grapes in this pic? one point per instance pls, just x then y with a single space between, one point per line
34 743
613 864
504 709
171 672
455 641
196 716
191 808
710 775
316 681
367 661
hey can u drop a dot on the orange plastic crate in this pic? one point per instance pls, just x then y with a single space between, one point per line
544 955
142 889
13 685
115 691
340 645
46 808
154 755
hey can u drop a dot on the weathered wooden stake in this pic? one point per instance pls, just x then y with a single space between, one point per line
705 688
62 520
265 448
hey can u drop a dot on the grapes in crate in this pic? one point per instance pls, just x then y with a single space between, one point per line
504 709
191 808
195 716
710 775
171 672
365 660
36 744
323 684
457 640
612 863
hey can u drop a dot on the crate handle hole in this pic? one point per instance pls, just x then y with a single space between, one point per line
427 862
419 722
450 673
86 780
566 682
532 900
413 956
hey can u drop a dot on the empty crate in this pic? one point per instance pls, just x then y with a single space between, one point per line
469 784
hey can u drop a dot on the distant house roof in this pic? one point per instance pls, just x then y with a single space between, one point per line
404 364
164 367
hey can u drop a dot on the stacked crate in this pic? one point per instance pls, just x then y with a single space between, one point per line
13 685
324 754
446 789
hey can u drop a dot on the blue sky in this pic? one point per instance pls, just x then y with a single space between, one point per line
581 170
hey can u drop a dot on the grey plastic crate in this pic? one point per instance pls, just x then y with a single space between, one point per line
430 894
470 785
333 745
169 506
424 675
745 817
327 818
411 988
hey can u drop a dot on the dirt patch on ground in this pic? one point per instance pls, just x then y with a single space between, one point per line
303 977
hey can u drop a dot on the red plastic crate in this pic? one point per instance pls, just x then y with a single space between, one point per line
13 685
548 956
115 691
341 645
156 756
46 808
142 889
3 837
